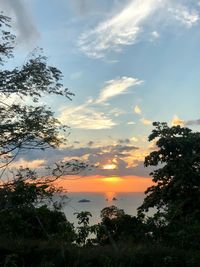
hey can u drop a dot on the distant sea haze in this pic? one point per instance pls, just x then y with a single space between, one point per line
95 202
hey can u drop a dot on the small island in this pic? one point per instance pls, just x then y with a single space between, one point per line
84 200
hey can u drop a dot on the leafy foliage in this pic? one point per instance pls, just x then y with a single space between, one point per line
28 210
7 44
27 126
116 226
176 195
83 230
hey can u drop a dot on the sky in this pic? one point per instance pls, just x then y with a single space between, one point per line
129 63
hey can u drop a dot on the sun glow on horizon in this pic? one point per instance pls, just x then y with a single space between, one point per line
113 179
105 184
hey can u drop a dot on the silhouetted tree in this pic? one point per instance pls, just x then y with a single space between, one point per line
26 126
32 210
176 193
111 212
84 229
117 226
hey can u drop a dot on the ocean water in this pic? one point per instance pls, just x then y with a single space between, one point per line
129 202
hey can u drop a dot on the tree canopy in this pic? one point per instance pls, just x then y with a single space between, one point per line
26 126
29 202
176 193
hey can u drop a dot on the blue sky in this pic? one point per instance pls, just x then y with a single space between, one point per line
129 63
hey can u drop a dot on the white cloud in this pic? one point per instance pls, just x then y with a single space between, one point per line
155 35
117 87
121 29
135 21
89 115
116 112
85 117
131 123
184 15
137 110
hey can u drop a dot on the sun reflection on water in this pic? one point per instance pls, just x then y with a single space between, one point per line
109 196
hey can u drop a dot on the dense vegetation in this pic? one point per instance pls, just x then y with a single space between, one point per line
33 229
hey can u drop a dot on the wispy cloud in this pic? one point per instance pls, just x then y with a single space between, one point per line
121 29
128 26
86 117
184 15
116 87
131 123
90 114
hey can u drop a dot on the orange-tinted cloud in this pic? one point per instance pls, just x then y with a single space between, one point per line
145 121
177 121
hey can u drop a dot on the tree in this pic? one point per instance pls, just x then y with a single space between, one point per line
29 210
83 230
29 126
176 193
27 205
117 226
26 126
